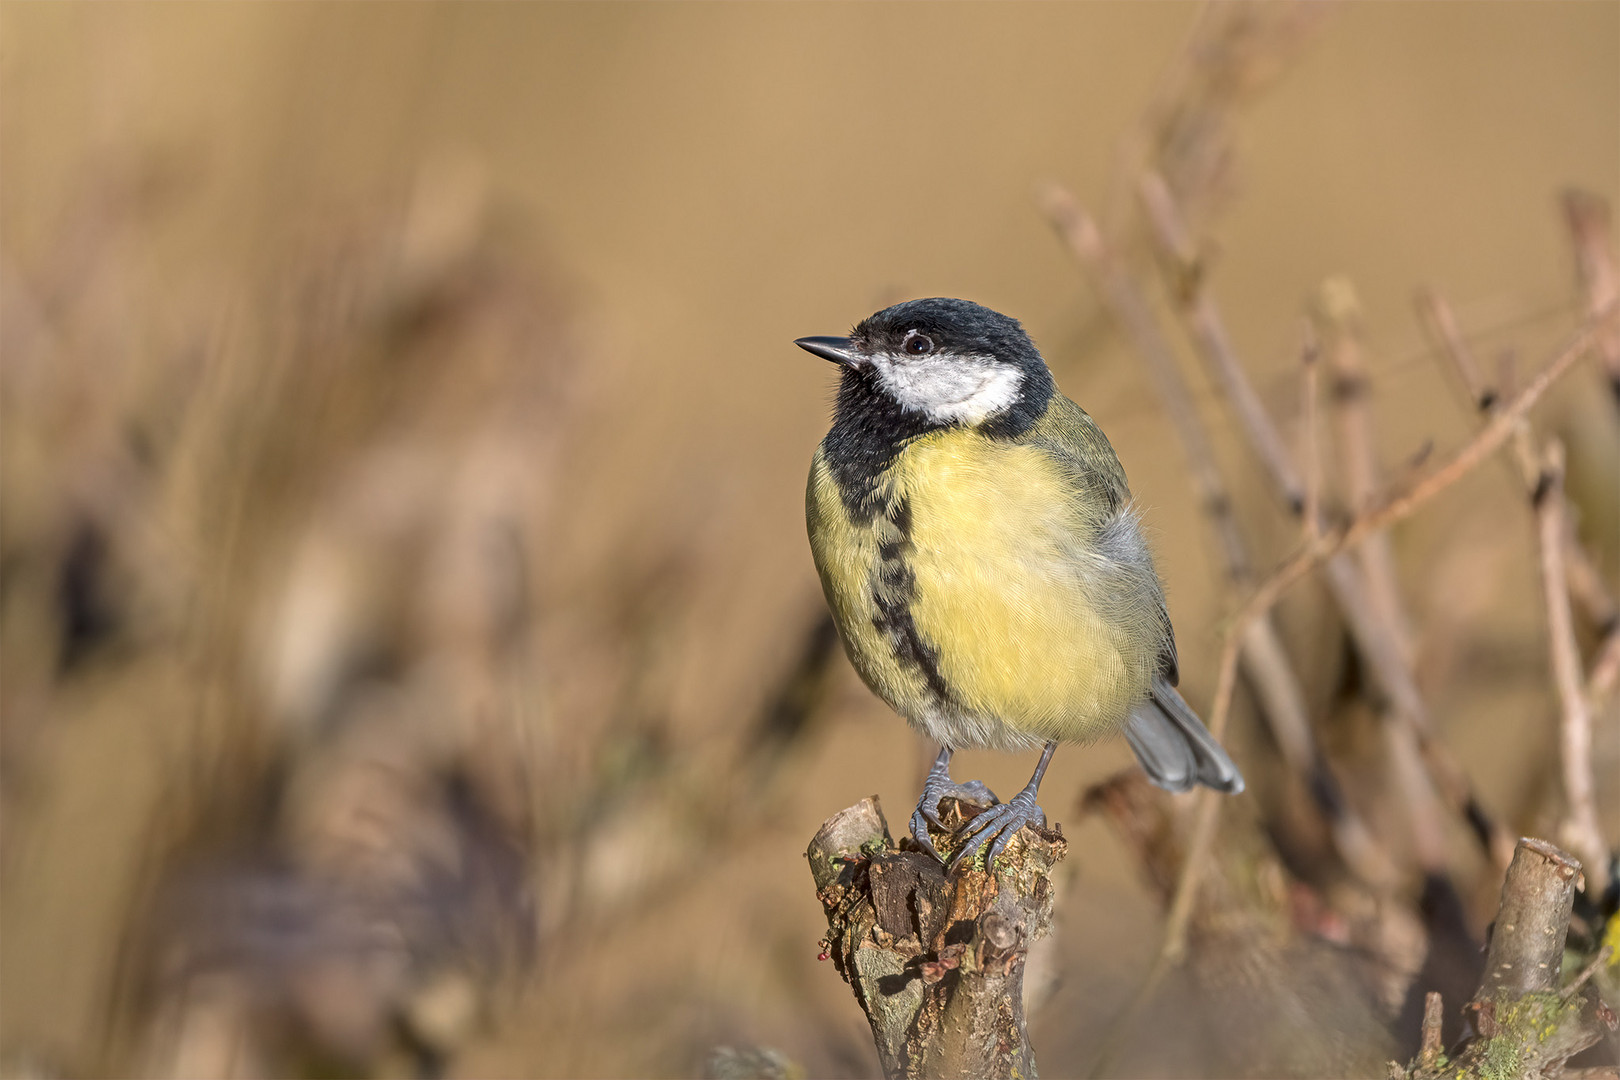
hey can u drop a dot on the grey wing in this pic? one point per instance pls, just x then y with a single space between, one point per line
1172 744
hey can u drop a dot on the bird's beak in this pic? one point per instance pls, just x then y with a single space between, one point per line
840 350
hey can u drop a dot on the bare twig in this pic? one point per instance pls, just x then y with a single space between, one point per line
1232 53
1381 650
1434 1012
1209 331
1270 674
1420 765
1561 555
1310 442
1580 829
1581 575
1203 835
1438 319
1398 505
1589 224
1600 683
1340 311
1591 228
1441 323
1586 585
1591 968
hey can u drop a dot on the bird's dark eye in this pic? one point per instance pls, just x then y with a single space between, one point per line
918 343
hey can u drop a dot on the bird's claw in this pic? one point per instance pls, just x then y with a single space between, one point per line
919 832
1001 822
938 787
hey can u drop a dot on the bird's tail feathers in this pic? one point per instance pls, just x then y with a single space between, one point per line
1174 747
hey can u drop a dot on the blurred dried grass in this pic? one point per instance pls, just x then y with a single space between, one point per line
409 668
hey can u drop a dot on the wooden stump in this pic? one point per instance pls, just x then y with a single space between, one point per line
936 959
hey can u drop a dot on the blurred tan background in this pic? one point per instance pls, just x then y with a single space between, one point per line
404 452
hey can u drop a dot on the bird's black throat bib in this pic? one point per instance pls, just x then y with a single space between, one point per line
870 429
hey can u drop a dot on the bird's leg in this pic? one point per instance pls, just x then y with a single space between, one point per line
939 785
1003 821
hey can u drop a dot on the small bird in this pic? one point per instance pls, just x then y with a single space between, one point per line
984 563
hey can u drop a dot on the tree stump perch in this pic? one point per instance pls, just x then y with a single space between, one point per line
936 959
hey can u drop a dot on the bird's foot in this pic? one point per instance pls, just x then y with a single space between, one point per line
939 785
1000 823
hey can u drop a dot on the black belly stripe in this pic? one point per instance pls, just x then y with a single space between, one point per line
870 430
892 593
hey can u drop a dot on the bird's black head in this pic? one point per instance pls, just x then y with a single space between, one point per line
942 326
938 363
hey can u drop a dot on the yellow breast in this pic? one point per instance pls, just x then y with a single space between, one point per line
1001 565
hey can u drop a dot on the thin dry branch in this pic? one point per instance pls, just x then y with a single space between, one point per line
1381 650
1232 53
1398 505
1580 829
1434 1013
1605 674
1595 263
1581 579
1310 451
1203 835
1340 310
1585 583
1420 764
1441 323
1209 333
1599 959
1581 574
1592 232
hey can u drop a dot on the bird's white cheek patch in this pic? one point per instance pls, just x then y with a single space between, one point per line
964 390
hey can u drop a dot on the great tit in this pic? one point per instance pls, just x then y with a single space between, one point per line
984 563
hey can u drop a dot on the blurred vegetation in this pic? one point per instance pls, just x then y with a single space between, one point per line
410 658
